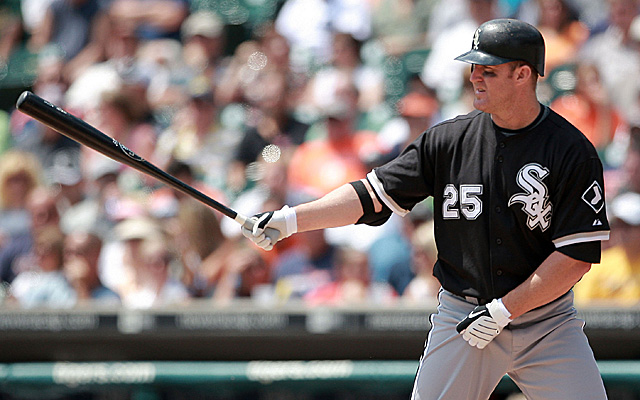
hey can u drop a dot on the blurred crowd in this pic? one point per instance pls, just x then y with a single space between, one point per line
261 104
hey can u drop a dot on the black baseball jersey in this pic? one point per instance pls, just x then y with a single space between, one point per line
503 201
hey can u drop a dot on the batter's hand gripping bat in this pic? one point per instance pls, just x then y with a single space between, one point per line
83 133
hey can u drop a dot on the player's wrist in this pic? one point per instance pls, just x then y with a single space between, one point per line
499 312
290 218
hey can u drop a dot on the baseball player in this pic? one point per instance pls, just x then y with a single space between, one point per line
519 216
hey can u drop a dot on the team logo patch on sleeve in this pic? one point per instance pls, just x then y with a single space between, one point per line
594 197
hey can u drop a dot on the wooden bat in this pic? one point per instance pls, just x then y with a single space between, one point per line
83 133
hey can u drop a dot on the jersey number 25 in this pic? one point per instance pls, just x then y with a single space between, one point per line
467 197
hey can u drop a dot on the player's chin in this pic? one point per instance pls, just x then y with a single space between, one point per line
481 104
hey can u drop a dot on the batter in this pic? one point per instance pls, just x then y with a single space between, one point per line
519 215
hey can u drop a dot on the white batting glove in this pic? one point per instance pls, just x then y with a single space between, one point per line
271 227
484 323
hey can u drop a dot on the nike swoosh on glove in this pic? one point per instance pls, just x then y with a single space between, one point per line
271 227
484 323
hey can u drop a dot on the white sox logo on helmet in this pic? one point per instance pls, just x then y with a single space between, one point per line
476 39
536 199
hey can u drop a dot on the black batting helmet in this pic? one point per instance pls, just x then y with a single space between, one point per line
502 40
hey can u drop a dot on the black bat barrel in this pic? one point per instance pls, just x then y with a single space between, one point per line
83 133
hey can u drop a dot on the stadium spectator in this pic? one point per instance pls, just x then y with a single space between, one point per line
121 67
401 25
345 64
102 196
440 70
121 251
615 53
125 119
245 270
309 24
78 28
304 267
11 30
272 127
269 51
50 82
562 30
202 248
445 14
17 255
424 286
617 277
78 211
589 108
81 255
240 72
204 39
47 145
626 177
390 255
277 51
337 155
151 19
20 173
154 285
197 138
352 284
29 135
417 110
334 153
43 284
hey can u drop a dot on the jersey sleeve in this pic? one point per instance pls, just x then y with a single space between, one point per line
580 212
407 180
588 251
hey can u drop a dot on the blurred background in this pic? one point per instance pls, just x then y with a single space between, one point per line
113 286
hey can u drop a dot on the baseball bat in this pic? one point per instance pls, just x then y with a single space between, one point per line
83 133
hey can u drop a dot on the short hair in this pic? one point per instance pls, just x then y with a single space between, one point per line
14 162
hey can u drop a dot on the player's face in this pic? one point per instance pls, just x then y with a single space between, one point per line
492 87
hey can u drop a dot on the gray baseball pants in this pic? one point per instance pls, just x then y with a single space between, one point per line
544 351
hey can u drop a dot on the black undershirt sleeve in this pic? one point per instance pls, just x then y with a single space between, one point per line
587 252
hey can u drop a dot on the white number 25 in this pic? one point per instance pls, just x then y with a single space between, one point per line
470 204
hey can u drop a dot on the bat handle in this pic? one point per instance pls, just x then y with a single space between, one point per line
244 221
249 223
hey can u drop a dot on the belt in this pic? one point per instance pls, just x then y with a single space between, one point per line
473 300
470 299
477 301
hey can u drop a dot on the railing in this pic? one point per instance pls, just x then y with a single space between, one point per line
244 331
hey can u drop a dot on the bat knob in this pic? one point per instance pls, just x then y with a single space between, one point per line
22 99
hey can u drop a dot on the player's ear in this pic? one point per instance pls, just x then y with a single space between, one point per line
523 73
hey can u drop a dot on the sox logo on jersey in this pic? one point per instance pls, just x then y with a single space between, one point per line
536 199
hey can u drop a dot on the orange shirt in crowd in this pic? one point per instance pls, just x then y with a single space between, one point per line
319 166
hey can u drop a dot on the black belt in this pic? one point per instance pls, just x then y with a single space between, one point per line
473 300
477 301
